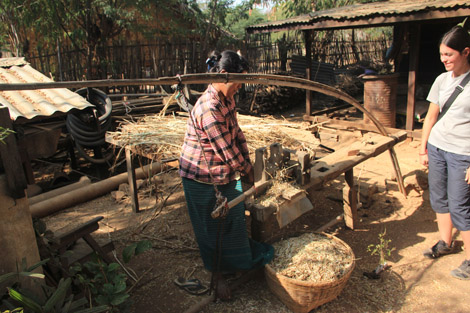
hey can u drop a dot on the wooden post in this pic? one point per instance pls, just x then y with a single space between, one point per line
308 56
415 31
131 180
350 200
15 175
18 241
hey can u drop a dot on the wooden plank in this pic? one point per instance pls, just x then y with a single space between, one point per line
16 178
67 238
82 252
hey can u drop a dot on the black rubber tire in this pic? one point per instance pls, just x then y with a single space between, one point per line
88 127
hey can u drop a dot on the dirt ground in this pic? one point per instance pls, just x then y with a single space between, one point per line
412 284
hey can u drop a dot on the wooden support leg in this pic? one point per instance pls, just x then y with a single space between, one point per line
303 177
95 246
132 182
398 176
350 200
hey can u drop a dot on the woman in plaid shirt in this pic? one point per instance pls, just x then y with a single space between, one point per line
215 153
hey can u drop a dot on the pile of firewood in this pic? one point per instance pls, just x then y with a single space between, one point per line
275 99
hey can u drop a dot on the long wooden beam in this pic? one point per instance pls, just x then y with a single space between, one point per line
340 161
350 125
263 79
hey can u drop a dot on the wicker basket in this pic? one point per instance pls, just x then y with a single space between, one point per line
303 296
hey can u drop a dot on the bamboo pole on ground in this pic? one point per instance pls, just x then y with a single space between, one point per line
88 192
84 181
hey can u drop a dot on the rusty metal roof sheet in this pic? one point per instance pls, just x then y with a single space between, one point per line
31 103
384 12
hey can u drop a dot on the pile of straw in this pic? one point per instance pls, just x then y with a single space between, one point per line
161 137
156 137
311 257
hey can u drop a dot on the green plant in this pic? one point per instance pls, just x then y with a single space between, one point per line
24 272
103 282
135 249
57 299
17 310
381 249
13 279
106 283
4 133
57 302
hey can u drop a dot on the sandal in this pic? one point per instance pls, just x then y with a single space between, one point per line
192 286
439 249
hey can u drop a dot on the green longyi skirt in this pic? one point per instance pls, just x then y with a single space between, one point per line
238 251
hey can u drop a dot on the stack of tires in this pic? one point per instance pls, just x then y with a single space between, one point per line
88 127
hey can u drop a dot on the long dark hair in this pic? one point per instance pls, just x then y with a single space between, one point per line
228 60
457 38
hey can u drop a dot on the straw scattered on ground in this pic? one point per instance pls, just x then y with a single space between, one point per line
278 192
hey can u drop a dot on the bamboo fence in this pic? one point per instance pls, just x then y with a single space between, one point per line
168 58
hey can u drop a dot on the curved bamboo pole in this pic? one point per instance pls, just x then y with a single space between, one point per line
263 79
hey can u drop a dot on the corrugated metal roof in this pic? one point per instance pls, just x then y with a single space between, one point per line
386 9
31 103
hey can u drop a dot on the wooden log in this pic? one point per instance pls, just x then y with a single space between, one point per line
84 180
88 192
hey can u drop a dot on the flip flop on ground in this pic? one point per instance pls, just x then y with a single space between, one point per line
192 286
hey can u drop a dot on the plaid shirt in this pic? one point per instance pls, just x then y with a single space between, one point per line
222 141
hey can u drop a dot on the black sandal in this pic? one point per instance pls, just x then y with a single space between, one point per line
439 249
192 286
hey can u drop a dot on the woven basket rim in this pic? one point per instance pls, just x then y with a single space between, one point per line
318 284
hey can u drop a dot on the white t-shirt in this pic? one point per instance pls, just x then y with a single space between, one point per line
452 132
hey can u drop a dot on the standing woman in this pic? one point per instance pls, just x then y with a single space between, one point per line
215 152
445 148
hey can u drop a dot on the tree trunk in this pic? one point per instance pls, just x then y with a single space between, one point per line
209 26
